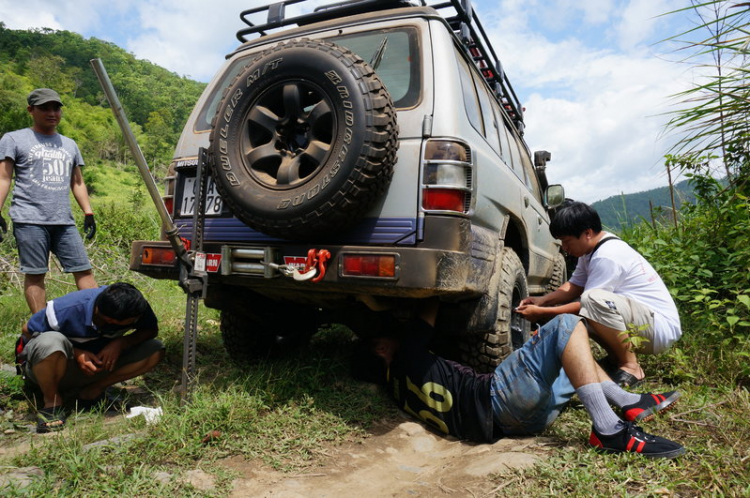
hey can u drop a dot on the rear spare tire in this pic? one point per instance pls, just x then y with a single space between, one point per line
304 140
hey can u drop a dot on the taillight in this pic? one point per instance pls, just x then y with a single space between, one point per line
443 200
168 198
169 204
369 265
447 177
158 256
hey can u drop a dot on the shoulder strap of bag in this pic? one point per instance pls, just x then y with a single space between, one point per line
605 239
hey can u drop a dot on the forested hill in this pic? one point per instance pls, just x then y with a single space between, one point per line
156 100
621 210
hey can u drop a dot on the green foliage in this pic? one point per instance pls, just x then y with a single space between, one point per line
620 211
156 101
713 120
705 262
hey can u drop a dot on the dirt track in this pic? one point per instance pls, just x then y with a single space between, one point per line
404 461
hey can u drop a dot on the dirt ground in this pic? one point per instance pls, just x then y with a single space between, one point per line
407 460
402 459
399 458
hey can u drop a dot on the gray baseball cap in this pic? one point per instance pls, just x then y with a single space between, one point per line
42 96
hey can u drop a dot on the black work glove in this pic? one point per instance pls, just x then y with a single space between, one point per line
89 226
3 227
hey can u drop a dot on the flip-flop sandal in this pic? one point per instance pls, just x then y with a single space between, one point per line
50 419
625 379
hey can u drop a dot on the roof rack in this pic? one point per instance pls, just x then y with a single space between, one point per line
463 21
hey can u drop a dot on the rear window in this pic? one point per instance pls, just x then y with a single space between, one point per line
398 67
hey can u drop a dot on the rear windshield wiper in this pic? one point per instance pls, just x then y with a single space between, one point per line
377 57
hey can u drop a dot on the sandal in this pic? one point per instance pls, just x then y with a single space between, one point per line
50 419
625 379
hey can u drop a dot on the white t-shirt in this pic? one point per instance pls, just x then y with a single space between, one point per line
618 268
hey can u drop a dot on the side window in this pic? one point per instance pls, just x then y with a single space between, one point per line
532 182
515 155
503 135
470 95
490 124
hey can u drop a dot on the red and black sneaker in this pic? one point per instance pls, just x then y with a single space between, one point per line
633 440
649 405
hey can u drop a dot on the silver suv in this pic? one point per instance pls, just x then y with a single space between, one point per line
363 157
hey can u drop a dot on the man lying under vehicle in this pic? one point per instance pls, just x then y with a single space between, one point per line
522 397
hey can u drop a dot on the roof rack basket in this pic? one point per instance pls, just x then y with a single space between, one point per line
463 21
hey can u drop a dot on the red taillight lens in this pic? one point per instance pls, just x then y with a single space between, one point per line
169 204
443 199
360 265
158 256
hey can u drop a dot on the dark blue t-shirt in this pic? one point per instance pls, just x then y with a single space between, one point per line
72 315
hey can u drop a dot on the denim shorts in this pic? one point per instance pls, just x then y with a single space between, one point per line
35 242
529 388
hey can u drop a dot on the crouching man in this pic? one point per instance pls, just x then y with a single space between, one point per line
77 344
522 397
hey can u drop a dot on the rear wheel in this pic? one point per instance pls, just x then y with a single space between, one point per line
270 332
485 351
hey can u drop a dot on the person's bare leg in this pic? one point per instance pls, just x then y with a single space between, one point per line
48 373
85 279
613 341
35 291
129 371
578 362
586 377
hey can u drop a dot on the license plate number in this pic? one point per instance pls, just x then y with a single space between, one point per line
189 197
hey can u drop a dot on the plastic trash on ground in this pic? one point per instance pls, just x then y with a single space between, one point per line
152 415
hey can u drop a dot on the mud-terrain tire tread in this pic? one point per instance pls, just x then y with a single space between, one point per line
485 351
559 274
364 175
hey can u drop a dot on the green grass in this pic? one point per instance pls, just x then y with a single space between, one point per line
288 412
284 412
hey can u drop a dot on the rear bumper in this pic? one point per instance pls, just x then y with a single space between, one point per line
455 259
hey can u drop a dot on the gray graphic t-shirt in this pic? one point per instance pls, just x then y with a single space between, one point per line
43 165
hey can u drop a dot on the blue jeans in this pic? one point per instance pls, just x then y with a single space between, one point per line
36 241
529 388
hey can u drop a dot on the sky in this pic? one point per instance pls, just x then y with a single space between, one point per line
595 76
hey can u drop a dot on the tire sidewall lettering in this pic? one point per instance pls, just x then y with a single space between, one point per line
329 188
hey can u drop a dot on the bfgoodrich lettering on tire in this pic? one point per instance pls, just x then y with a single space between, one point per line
304 140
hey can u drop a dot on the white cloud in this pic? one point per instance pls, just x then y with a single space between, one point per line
596 92
593 83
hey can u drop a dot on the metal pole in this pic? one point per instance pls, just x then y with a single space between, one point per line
191 279
140 160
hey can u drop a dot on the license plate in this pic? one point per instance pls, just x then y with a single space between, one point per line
189 194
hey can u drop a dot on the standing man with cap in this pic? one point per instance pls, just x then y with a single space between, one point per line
47 165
